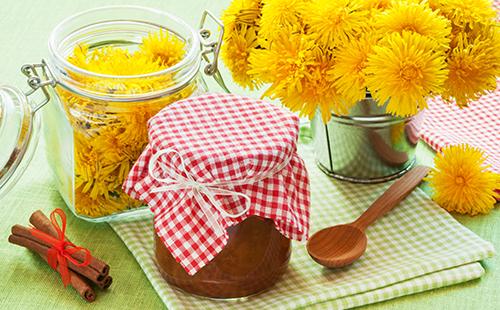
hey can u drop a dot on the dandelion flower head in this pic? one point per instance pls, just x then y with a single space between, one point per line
406 69
348 73
279 15
297 69
461 182
164 47
416 18
241 20
465 13
334 22
473 67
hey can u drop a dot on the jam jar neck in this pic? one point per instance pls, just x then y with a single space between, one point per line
125 27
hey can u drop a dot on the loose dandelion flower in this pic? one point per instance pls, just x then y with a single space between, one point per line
417 18
335 22
461 182
348 73
164 47
405 69
473 68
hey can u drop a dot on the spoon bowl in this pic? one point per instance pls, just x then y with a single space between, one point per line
337 246
341 245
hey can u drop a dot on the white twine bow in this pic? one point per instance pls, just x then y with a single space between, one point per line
200 189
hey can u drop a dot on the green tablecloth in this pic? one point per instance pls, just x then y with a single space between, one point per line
28 283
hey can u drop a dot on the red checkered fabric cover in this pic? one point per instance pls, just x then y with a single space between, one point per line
477 125
220 139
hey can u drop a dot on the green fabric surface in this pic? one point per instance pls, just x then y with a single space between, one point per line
417 246
28 283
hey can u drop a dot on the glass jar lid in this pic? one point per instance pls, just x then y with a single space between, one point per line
18 135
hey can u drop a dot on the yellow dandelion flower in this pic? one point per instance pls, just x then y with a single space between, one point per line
164 47
241 12
348 73
473 68
236 50
241 21
377 4
405 69
318 92
297 70
335 22
461 182
80 58
464 13
117 62
112 61
286 59
278 15
417 18
285 63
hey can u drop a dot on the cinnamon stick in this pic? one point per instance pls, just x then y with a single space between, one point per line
42 247
105 283
43 223
77 281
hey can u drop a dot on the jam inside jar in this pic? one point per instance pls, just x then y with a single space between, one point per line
254 259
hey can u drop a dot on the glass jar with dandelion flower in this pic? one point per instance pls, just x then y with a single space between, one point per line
110 69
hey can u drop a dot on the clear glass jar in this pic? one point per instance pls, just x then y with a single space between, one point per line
254 259
95 125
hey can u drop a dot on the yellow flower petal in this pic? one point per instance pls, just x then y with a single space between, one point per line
335 22
461 182
473 67
417 18
348 73
404 70
298 72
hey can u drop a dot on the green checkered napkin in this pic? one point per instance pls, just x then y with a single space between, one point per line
416 247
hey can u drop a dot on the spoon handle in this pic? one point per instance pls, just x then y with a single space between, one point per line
392 196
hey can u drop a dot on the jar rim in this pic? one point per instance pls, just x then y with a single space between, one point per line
192 52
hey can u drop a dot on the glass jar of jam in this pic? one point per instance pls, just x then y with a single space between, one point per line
254 259
110 69
228 191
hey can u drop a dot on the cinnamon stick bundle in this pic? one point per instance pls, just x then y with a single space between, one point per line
77 281
97 271
41 247
43 223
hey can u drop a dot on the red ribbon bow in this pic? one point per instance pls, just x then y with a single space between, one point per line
61 250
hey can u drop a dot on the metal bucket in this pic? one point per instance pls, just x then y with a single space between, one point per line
366 146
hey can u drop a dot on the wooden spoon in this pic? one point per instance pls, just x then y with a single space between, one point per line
341 245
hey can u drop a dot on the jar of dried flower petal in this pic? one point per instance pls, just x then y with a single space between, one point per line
110 69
